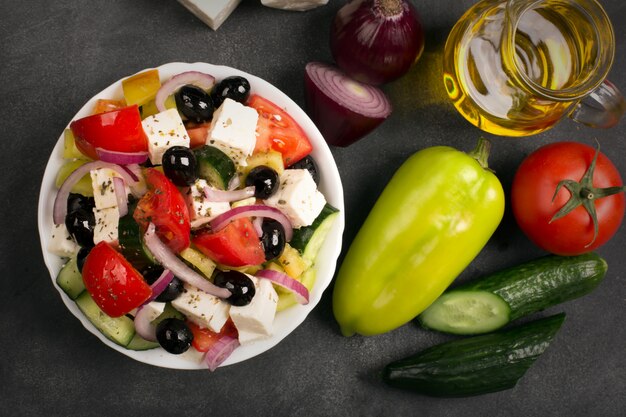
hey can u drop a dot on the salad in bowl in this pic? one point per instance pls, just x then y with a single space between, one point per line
191 216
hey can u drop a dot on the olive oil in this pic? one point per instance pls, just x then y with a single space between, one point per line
516 68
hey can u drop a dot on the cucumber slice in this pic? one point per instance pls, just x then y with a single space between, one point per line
70 280
120 330
308 240
139 343
131 243
475 365
198 261
475 307
214 166
467 312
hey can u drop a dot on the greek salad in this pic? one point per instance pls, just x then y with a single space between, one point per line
189 214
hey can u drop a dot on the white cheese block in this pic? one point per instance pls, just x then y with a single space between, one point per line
201 210
205 310
255 320
298 197
61 243
153 309
211 12
233 130
104 187
107 224
296 5
164 130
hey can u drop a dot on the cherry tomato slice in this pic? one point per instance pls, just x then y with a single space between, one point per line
235 245
204 339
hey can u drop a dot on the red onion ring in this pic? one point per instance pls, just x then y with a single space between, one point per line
134 170
258 225
199 79
160 284
121 158
120 194
254 210
143 324
170 261
285 281
220 351
213 194
59 209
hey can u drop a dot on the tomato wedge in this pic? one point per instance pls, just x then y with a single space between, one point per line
118 130
197 133
204 339
113 283
235 245
164 206
277 130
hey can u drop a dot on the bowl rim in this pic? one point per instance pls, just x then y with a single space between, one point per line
287 320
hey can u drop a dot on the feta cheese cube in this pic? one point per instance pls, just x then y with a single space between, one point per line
298 197
61 243
154 309
104 187
164 130
107 224
233 130
255 320
211 12
205 310
201 210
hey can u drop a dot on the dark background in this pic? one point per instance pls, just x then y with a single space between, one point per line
55 55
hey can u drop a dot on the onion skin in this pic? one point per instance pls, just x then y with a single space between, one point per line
376 41
340 124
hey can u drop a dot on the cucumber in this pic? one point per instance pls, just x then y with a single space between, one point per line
139 343
131 243
214 166
120 330
489 303
70 280
309 239
475 365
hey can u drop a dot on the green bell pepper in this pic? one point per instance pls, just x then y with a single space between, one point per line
431 220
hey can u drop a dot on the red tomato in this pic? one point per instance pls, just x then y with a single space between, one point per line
197 134
276 130
235 245
113 283
204 339
532 194
164 206
117 130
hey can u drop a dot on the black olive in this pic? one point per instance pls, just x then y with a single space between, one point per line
194 103
79 201
235 88
309 164
180 166
273 238
173 289
265 181
80 224
81 256
174 335
239 284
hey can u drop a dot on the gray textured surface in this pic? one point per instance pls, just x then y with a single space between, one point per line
56 54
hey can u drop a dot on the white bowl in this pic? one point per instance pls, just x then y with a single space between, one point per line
286 321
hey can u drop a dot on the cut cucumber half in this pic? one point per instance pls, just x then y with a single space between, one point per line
139 343
214 166
309 239
131 243
120 330
70 280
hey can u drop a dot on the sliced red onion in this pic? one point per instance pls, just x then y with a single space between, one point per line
134 170
143 324
343 109
59 209
160 284
170 261
258 225
220 351
121 196
285 281
121 158
199 79
254 210
213 194
234 183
